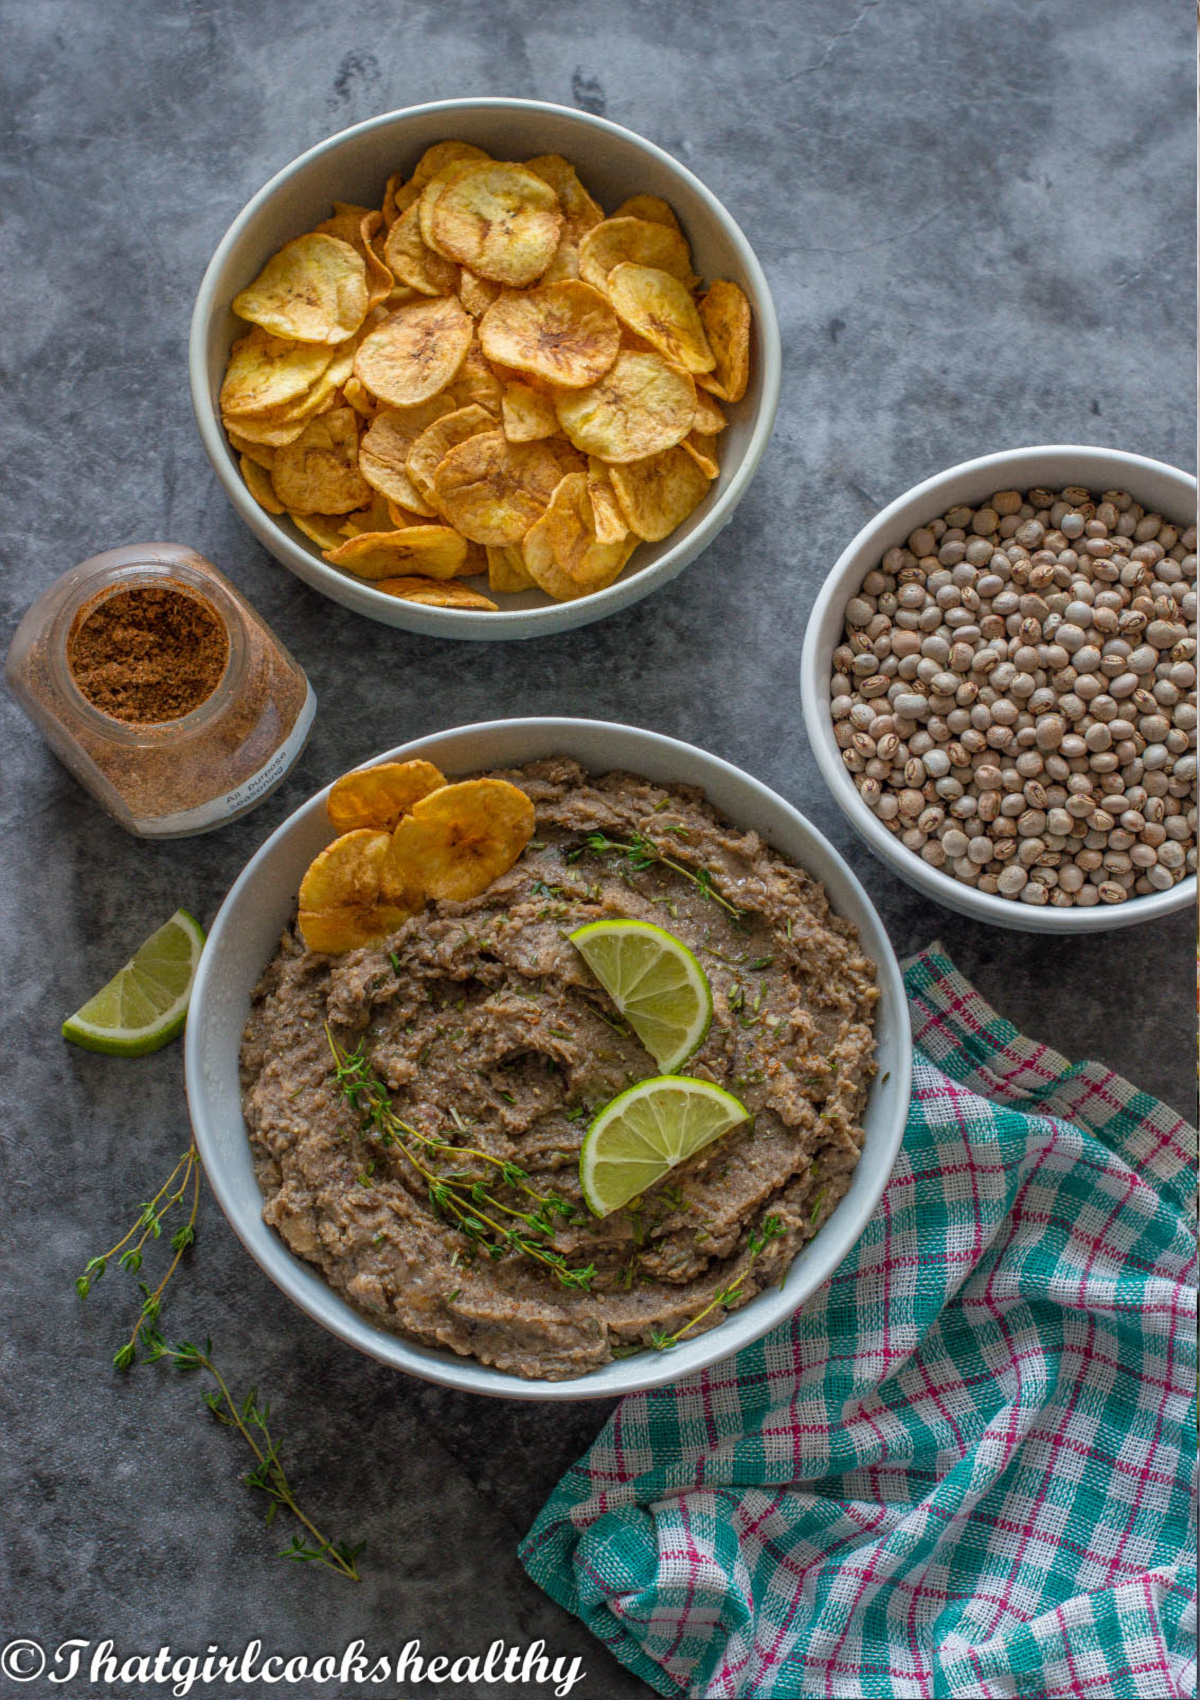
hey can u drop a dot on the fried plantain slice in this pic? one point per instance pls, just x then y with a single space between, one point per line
608 519
391 211
358 397
562 553
413 262
710 419
353 894
325 530
383 452
374 517
580 211
475 293
377 797
658 308
638 241
501 220
345 223
313 290
640 407
527 414
415 352
439 156
435 442
564 333
493 490
260 453
458 840
506 567
258 482
658 493
703 451
318 473
564 267
434 595
725 315
434 550
267 372
650 207
477 382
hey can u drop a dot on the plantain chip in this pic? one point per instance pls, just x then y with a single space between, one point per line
377 797
608 519
564 333
658 308
579 209
380 282
318 473
416 352
358 397
260 453
650 207
435 442
562 553
383 452
265 373
709 420
493 490
564 267
458 840
439 156
390 210
353 894
501 220
413 262
434 550
527 414
477 382
345 223
506 568
658 493
725 315
375 517
703 451
434 595
313 290
325 530
475 293
638 241
398 517
640 407
258 482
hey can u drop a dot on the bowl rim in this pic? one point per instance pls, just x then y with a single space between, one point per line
814 674
740 1328
465 623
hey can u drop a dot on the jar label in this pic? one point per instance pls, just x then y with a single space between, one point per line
243 796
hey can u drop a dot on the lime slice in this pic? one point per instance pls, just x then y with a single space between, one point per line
655 982
645 1132
144 1006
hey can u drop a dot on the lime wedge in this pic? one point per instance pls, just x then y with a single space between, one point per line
645 1132
655 982
144 1006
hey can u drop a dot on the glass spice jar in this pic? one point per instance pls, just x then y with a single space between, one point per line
160 689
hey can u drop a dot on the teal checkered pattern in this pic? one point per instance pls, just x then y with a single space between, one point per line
964 1468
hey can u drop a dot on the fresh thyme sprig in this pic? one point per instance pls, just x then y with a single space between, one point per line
639 853
456 1193
760 1238
130 1249
268 1476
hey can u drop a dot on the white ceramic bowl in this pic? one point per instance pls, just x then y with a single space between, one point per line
1150 482
354 166
246 932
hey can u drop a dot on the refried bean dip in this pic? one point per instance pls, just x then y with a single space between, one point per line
486 1026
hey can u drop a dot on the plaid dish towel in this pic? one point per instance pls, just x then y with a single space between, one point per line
964 1467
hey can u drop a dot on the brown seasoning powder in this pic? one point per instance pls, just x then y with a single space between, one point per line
148 654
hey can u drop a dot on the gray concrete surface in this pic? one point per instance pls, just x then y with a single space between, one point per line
976 219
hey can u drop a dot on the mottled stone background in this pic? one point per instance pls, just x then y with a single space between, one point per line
976 219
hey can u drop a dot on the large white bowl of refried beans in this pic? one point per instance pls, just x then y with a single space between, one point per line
485 1024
